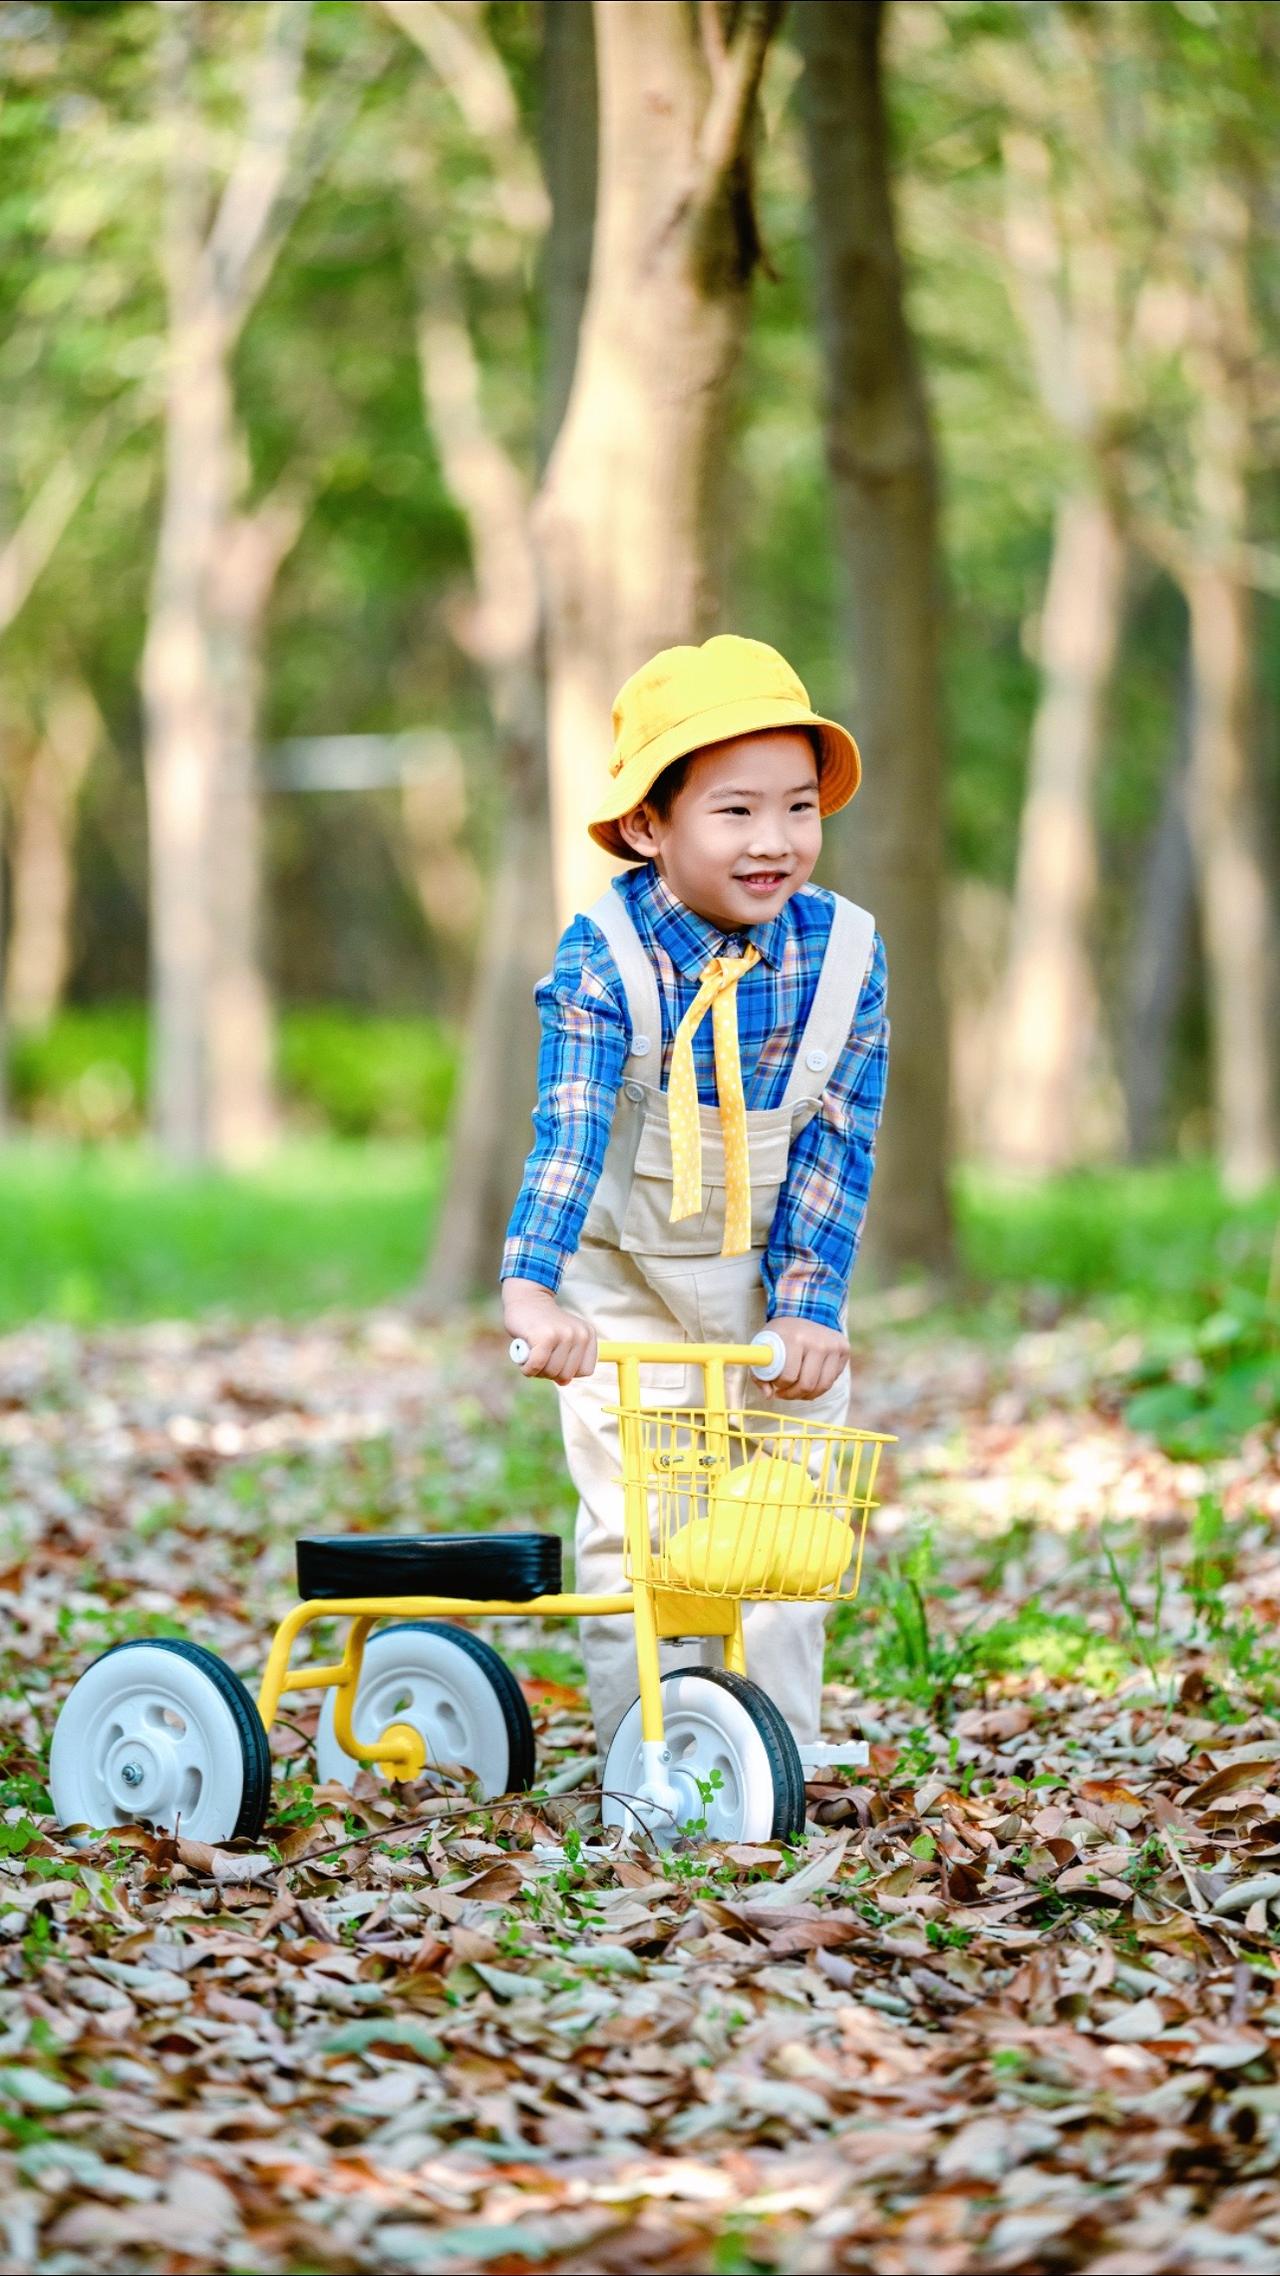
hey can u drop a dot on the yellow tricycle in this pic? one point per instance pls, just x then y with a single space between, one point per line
725 1506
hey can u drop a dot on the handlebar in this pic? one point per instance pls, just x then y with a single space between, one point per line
766 1357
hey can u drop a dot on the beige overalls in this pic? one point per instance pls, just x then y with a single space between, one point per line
636 1275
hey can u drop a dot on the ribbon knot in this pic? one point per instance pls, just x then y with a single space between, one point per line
716 988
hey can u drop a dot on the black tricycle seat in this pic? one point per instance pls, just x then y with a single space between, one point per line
504 1567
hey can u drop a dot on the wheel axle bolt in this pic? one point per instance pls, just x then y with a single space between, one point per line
132 1773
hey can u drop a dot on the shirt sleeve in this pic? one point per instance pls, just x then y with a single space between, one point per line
817 1226
586 1036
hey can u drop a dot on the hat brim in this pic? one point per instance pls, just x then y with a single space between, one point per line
840 767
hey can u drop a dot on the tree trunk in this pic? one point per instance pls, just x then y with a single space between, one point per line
489 1134
889 850
1239 923
43 857
240 1019
1049 1011
626 517
211 1042
1236 897
1161 952
569 163
180 697
4 1023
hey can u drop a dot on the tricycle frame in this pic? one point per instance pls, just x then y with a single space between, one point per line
659 1614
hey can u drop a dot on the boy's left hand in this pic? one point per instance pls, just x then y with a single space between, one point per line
815 1357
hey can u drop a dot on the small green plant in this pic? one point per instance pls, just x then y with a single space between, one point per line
1199 1390
1147 1638
917 1757
1148 1864
1213 1553
24 1791
19 1835
890 1647
513 1944
708 1788
300 1808
944 1937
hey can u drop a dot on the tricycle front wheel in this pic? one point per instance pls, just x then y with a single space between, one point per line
732 1762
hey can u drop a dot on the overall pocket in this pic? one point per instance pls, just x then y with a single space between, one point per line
647 1229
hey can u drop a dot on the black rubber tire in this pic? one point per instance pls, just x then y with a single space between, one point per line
510 1567
522 1753
255 1754
779 1745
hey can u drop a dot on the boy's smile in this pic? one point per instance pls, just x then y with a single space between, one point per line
743 831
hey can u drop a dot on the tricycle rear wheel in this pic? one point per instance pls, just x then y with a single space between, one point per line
449 1686
162 1732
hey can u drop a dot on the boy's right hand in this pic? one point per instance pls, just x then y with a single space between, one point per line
560 1344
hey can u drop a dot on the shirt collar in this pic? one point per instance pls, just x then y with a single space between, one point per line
690 940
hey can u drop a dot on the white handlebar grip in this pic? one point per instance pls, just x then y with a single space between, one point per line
773 1366
518 1351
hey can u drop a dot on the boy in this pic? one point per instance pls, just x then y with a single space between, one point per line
695 1176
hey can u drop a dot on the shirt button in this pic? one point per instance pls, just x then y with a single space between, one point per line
816 1060
640 1045
634 1091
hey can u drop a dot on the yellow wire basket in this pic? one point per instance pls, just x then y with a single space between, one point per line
746 1504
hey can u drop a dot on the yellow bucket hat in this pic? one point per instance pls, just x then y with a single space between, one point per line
684 699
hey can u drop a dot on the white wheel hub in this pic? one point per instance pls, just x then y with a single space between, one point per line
146 1734
717 1764
411 1675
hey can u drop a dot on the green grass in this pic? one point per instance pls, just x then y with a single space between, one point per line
1152 1245
106 1233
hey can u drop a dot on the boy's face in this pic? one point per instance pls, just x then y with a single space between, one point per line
744 830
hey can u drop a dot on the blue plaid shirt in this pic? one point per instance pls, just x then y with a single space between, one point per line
586 1038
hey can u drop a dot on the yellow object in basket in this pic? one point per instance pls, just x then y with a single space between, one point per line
719 1555
814 1558
762 1532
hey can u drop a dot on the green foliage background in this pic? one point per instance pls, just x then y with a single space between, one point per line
363 628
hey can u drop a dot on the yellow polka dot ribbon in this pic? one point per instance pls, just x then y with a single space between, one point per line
715 993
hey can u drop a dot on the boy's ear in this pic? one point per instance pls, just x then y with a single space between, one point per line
637 828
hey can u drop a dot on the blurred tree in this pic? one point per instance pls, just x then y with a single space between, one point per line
214 269
216 562
1237 880
1073 273
1159 965
880 453
44 795
490 479
78 394
1120 134
628 515
1200 529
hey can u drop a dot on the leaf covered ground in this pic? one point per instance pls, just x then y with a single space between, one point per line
1012 2005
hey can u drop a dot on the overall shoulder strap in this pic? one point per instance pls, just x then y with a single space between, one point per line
835 999
639 982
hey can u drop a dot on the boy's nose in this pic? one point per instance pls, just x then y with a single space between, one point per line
769 841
